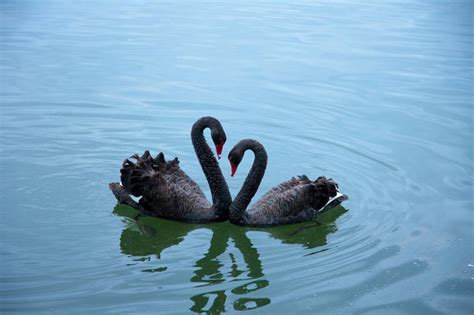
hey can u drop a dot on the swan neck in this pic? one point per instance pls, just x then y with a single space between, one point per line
237 212
221 198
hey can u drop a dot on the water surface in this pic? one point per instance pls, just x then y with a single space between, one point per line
376 95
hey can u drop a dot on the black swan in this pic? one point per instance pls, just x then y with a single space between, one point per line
296 200
167 192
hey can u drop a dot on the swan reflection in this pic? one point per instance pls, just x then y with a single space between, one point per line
223 280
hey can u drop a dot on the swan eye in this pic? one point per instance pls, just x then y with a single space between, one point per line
232 160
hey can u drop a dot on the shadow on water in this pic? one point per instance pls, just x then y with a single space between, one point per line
148 236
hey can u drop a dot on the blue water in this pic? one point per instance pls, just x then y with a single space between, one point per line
377 95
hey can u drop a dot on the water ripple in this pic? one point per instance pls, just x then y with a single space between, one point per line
375 95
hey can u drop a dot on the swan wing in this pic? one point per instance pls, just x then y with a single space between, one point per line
176 175
174 201
281 207
285 186
297 203
147 166
164 196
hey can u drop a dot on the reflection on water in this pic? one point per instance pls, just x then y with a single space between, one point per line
208 272
147 236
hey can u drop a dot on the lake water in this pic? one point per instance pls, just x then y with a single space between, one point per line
377 95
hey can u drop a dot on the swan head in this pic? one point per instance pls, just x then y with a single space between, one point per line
235 157
219 138
238 151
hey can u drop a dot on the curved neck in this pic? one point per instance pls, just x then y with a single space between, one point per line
221 198
252 181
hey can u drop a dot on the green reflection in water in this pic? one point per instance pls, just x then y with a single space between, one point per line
146 236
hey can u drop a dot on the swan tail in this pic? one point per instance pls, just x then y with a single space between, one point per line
172 165
122 195
328 186
325 193
160 163
127 168
137 177
303 179
143 178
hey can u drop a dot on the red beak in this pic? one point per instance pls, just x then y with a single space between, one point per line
233 168
219 149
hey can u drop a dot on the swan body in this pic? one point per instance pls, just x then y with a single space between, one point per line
164 188
296 200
